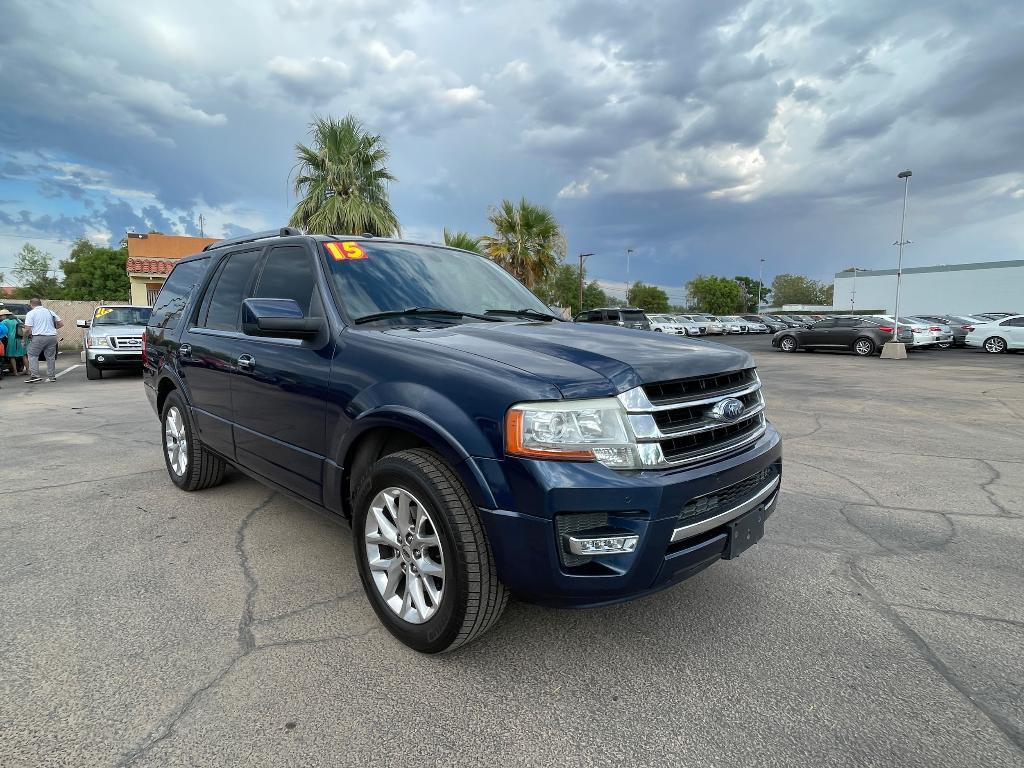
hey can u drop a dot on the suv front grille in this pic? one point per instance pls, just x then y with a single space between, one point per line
665 392
681 417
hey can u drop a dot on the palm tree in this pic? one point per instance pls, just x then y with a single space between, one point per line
462 240
342 182
527 240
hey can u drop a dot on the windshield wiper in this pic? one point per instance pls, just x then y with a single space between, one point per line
525 312
421 311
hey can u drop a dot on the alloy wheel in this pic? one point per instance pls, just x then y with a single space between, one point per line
863 347
176 441
405 555
995 344
788 344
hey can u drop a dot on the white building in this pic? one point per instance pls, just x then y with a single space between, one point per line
991 286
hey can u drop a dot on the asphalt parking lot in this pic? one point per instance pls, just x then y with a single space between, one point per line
879 622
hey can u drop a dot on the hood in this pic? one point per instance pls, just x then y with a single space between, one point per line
116 330
586 359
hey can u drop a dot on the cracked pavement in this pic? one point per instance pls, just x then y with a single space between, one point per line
878 623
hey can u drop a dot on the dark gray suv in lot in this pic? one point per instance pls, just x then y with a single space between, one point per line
861 335
625 317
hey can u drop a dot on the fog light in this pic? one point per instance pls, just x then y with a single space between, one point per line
602 545
99 358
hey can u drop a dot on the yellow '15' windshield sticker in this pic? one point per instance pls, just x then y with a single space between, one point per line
345 251
103 311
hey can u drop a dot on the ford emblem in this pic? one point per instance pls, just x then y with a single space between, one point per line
728 409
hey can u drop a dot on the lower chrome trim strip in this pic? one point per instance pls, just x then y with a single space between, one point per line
686 531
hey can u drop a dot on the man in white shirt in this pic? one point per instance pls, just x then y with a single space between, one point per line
43 325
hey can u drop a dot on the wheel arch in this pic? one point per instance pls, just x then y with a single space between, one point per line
384 431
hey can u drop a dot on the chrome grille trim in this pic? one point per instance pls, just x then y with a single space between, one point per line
686 531
667 446
126 342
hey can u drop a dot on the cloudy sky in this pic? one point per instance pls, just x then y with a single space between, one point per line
703 135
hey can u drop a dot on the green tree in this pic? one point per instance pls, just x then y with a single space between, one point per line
462 240
95 274
715 295
561 287
527 241
342 181
32 270
749 292
797 289
649 298
594 296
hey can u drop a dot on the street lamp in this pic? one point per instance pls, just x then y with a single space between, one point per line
760 271
894 349
853 289
629 252
583 257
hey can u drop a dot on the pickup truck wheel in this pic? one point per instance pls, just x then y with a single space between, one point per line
191 466
423 557
92 371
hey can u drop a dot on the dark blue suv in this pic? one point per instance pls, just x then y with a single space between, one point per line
478 445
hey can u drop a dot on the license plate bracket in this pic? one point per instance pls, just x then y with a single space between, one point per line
745 532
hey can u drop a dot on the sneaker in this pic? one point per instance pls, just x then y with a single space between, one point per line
51 379
32 379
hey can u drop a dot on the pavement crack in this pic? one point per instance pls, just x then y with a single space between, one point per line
854 483
887 611
316 604
246 641
986 488
50 486
961 614
817 428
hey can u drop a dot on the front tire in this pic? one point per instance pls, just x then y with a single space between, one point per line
864 347
995 344
92 371
423 557
190 465
787 344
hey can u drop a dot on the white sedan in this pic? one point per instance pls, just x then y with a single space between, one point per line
997 335
732 324
666 324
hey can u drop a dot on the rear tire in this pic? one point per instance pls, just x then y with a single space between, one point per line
190 465
995 344
464 598
864 346
787 344
92 371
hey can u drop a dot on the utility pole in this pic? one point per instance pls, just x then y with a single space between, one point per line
583 257
853 291
760 274
629 252
202 221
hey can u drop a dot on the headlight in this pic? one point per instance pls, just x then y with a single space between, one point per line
97 341
572 430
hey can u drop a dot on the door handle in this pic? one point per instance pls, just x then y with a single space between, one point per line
246 363
185 350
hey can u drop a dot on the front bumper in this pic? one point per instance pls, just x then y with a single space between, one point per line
529 551
105 358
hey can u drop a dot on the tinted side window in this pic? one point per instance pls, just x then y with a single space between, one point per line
174 296
1017 322
849 322
288 274
226 299
824 324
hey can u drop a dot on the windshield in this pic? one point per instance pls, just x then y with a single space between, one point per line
391 277
121 316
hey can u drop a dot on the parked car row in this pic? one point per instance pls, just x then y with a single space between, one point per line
866 334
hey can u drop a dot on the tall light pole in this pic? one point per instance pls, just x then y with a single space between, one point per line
583 257
894 350
905 175
760 271
629 252
853 290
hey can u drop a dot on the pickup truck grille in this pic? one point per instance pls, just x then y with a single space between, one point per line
126 342
680 417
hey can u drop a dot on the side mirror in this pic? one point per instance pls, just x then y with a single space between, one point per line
278 318
82 323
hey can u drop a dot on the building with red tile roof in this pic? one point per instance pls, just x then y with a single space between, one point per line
151 257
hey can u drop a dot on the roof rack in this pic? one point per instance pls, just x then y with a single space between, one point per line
282 232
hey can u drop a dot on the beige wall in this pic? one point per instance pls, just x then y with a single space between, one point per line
140 288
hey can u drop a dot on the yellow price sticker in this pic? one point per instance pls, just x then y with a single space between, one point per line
347 251
103 311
